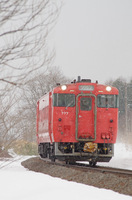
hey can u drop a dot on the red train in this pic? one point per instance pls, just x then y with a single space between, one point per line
78 122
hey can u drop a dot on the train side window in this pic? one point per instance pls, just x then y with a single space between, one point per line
63 100
86 103
107 101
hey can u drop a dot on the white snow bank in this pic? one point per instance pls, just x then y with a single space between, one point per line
20 184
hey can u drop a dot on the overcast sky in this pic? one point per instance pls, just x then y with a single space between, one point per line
93 38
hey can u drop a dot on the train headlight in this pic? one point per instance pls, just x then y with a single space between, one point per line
63 87
108 88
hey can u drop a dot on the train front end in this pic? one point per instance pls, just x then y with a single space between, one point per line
85 120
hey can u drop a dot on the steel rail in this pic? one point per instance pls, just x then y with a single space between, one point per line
87 167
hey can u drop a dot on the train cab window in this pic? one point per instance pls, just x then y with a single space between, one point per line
107 101
86 103
63 100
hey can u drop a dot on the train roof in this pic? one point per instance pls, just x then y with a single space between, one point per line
85 86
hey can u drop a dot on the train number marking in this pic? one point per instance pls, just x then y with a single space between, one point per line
64 113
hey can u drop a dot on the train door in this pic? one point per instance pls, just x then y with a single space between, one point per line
86 117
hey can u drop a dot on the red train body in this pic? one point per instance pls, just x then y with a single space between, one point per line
78 121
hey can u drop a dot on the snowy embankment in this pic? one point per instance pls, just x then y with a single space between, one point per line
18 183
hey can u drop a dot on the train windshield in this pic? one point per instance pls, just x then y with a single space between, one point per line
63 100
107 101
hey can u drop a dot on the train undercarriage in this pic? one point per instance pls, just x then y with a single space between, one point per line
81 151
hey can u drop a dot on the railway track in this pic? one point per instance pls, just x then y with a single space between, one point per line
107 169
87 167
118 180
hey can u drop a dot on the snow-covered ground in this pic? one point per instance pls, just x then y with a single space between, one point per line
18 183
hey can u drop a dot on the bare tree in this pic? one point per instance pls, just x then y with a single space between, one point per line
7 121
24 27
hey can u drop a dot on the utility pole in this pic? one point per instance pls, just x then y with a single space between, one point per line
126 109
128 106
